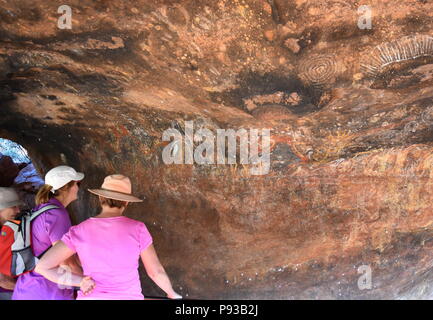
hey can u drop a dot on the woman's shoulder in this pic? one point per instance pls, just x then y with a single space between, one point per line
132 221
83 223
55 206
120 222
113 220
137 225
80 227
57 212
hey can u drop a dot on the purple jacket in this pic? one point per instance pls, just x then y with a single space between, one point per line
47 228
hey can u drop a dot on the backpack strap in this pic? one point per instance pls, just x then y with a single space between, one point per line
24 226
35 214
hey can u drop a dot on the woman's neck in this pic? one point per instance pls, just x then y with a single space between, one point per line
110 212
63 200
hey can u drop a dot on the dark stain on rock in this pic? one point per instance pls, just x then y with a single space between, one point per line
309 37
21 84
55 77
8 16
275 111
251 84
416 23
106 32
400 75
50 139
32 14
236 52
6 92
24 12
282 156
421 136
176 16
275 11
98 83
283 11
49 97
346 32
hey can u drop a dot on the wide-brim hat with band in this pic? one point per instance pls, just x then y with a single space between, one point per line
62 175
117 187
9 198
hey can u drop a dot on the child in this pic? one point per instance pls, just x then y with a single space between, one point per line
9 208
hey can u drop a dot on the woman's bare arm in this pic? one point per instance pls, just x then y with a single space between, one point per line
7 282
48 267
156 272
73 262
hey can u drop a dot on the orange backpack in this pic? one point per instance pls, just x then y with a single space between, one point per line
6 241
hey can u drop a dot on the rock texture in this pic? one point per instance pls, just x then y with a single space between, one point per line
9 170
350 112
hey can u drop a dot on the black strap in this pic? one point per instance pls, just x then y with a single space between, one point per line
40 256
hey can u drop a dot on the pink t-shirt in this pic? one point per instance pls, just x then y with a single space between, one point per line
109 250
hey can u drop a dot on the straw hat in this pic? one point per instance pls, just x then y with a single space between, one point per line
117 187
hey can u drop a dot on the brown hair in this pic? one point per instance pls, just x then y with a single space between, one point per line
112 203
44 194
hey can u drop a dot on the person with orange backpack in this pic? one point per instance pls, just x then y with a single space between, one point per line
9 208
40 230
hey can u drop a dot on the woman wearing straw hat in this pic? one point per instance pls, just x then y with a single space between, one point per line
60 189
9 208
109 247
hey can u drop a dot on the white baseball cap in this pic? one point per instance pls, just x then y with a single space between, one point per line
9 198
62 175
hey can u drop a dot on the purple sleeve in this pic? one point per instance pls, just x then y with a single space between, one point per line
145 239
68 239
57 224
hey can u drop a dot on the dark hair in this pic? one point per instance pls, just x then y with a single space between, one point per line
112 203
44 194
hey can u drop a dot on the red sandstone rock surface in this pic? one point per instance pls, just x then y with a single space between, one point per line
350 112
9 170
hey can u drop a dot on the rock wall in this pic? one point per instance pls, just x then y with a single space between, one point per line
350 112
